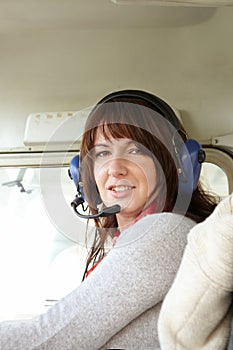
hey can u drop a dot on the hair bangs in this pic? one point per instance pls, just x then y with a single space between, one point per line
119 130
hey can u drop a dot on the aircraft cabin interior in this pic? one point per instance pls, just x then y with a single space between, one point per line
58 58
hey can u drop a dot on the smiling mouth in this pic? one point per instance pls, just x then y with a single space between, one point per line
121 188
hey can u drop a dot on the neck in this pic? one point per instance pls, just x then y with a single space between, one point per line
125 221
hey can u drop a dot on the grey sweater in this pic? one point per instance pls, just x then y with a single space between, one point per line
117 306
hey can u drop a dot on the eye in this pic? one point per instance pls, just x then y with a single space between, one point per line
102 154
135 150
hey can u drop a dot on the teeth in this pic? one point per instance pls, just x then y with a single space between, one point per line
121 188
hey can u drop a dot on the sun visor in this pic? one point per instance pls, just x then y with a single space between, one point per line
55 129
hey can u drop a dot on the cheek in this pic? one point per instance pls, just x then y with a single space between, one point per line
150 176
99 176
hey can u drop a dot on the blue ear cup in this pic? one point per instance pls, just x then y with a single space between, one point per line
74 170
191 158
75 175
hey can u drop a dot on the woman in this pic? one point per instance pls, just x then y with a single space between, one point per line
132 155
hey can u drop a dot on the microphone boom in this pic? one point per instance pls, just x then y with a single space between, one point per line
108 211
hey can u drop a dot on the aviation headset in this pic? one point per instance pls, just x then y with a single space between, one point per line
189 153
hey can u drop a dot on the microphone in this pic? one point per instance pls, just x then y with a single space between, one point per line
108 211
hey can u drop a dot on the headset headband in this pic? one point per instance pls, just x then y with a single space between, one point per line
158 104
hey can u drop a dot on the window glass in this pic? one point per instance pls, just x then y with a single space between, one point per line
214 179
38 263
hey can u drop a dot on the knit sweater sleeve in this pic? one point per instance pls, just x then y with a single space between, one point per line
196 312
134 276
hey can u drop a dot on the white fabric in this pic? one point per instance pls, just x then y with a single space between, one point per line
196 312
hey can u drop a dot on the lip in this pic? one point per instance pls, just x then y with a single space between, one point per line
125 190
111 187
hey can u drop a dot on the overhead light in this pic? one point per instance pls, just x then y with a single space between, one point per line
199 3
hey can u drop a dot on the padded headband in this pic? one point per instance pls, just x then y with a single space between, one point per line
157 103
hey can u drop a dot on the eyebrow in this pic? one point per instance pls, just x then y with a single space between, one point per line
101 145
128 143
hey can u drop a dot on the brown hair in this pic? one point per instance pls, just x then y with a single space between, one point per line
136 119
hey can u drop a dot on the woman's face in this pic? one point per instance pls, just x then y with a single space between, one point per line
125 175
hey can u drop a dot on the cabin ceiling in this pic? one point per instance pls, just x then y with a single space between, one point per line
90 14
58 55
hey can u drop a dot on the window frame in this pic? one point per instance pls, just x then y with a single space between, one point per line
222 158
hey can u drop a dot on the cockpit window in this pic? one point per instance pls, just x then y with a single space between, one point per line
214 179
38 263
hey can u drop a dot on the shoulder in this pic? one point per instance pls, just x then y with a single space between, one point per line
167 222
157 227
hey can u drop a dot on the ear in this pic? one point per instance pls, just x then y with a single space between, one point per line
191 156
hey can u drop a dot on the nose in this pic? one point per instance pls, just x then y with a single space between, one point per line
117 167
